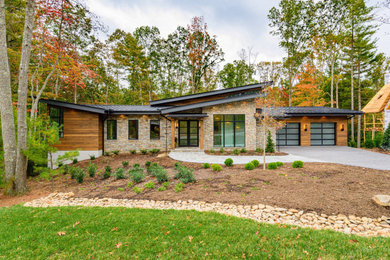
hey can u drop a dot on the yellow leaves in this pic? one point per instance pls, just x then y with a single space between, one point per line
114 229
118 245
190 238
61 233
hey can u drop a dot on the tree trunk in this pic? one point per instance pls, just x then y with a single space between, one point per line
75 93
21 159
264 145
331 82
359 126
337 93
289 85
6 109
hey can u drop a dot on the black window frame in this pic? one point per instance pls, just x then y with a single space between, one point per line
136 130
223 126
58 118
114 134
150 130
278 135
322 134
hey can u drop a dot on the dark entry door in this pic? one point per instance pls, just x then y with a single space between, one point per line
188 133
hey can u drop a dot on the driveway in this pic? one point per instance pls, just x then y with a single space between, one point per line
341 154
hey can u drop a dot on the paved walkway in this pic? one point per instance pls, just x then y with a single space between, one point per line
332 154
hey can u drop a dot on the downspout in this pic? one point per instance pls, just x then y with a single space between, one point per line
166 132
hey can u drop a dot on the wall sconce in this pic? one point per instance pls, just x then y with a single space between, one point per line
305 127
342 127
177 123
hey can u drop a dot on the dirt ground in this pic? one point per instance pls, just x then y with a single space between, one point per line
321 187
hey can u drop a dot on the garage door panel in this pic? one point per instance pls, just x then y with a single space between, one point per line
322 134
289 135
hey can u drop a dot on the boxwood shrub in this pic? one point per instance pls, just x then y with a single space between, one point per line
229 162
297 164
256 163
216 167
249 166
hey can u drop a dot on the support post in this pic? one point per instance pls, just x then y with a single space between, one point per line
173 128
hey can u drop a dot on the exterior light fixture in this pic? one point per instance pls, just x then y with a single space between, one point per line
342 127
305 127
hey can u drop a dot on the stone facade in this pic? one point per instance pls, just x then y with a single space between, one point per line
260 136
244 107
123 143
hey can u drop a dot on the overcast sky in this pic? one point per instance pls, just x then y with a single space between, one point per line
236 23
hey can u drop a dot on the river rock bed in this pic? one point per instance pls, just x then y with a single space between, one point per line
351 224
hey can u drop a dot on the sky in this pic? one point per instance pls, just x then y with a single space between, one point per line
237 24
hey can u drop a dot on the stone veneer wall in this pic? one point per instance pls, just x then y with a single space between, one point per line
123 143
244 107
260 137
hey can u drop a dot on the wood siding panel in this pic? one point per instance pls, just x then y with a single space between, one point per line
82 130
341 136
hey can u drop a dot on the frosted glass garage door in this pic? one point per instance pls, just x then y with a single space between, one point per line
322 134
288 135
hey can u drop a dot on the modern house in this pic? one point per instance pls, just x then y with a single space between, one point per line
205 121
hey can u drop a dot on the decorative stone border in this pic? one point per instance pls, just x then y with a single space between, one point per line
362 226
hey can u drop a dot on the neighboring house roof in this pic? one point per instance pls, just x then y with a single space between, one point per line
211 93
286 112
379 102
209 103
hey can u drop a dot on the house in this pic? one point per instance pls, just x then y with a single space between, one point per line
205 121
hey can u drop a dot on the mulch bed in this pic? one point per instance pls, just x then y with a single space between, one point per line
321 187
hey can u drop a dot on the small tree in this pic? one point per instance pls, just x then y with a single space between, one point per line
270 100
270 148
386 139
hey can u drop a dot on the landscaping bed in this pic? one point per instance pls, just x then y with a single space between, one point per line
247 153
321 187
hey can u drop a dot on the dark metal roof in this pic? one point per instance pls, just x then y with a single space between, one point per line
209 103
187 115
73 106
286 112
211 93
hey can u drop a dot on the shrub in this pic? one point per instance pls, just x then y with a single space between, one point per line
222 150
385 145
107 168
212 151
162 188
256 163
73 172
165 184
116 152
297 164
137 189
144 151
66 169
229 162
179 187
236 152
378 139
161 175
352 144
272 166
119 174
106 153
80 175
137 174
177 164
184 174
133 151
136 165
74 161
259 150
120 189
270 147
125 163
206 165
130 184
154 151
92 170
107 173
243 150
149 185
249 166
216 167
279 164
147 164
369 143
92 157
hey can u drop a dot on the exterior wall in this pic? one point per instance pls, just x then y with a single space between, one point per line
244 107
123 143
82 130
260 135
341 136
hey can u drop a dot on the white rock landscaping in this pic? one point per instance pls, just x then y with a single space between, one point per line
351 224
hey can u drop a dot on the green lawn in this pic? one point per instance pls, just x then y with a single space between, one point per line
80 233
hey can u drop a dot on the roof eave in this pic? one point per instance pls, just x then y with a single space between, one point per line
73 106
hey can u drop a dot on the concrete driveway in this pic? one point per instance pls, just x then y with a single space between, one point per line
341 154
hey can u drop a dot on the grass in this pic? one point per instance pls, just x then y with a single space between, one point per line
113 233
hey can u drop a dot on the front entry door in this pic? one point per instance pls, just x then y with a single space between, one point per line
188 133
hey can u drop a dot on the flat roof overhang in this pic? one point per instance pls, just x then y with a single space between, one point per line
187 115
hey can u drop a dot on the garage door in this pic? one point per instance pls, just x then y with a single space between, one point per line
288 135
322 134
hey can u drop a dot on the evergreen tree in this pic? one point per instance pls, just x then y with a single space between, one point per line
270 148
386 139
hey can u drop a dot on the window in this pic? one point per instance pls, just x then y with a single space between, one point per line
57 116
133 129
111 129
155 129
229 130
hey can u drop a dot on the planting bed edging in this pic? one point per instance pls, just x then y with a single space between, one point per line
362 226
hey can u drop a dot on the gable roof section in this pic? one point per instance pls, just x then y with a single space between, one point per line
209 103
287 112
378 103
211 93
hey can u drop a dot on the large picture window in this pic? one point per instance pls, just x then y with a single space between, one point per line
229 130
111 129
57 115
154 129
133 129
